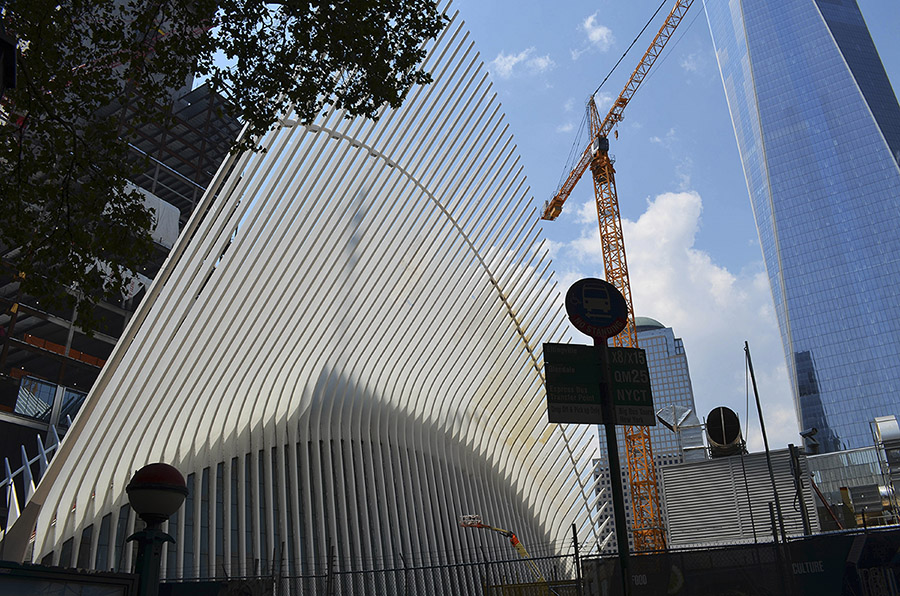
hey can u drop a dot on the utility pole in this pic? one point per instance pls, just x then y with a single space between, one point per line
762 426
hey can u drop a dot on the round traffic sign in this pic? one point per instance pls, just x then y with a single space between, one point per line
596 308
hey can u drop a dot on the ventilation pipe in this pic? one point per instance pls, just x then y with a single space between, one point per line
723 431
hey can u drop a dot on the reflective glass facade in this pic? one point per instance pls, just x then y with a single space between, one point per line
818 129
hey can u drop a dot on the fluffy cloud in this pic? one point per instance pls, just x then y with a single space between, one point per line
712 309
508 65
600 36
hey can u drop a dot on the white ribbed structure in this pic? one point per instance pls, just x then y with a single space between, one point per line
344 352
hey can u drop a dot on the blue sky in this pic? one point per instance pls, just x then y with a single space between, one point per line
692 246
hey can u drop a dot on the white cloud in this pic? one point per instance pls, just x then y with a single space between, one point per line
540 63
587 214
525 62
604 102
711 308
600 36
666 141
691 62
565 127
569 106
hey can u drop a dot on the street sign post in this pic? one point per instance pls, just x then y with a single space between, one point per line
598 309
577 385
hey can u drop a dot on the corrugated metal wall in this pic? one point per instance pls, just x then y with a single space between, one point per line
711 501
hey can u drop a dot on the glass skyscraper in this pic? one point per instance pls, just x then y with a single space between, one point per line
818 129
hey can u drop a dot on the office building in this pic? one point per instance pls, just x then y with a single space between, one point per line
342 357
47 362
818 130
673 399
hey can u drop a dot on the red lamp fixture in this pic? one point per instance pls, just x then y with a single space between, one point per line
156 491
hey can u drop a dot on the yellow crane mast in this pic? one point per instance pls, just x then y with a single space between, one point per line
647 526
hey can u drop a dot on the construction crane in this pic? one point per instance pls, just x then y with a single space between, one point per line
474 521
647 526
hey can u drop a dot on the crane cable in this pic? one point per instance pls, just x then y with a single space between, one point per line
575 152
682 33
634 41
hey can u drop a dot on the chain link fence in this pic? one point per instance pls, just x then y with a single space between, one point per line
512 577
840 564
537 576
863 563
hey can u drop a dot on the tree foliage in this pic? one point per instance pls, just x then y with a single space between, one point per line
69 220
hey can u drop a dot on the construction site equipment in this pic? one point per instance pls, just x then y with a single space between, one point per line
474 521
647 525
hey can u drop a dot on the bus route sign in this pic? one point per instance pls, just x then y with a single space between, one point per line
577 387
629 383
573 380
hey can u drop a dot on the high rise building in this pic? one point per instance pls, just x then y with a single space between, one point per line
673 397
47 362
818 129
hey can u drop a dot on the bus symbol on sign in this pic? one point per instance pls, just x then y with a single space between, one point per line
595 300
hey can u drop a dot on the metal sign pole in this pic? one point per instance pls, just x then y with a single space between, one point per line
615 473
597 309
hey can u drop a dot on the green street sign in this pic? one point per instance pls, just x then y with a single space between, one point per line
573 383
629 378
576 385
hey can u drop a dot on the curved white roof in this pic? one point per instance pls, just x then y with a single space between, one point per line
355 324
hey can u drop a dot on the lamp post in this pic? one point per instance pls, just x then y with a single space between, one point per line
155 492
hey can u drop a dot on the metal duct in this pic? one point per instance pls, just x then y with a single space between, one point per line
723 431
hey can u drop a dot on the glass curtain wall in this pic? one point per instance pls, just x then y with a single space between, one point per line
815 119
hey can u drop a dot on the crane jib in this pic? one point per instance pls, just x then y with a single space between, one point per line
553 207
